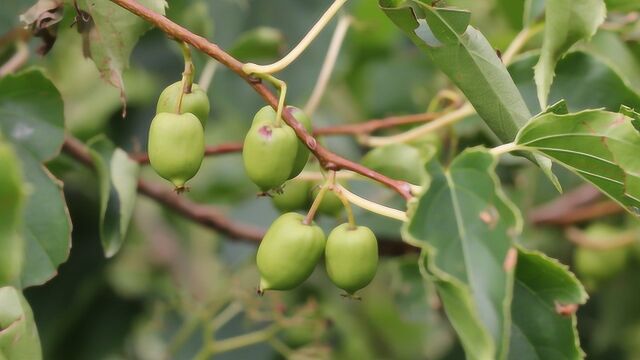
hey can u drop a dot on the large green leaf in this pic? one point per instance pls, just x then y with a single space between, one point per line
112 34
466 56
598 145
610 48
18 333
118 179
622 5
602 88
566 22
466 226
12 194
543 287
31 118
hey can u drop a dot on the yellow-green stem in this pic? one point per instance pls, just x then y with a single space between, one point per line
282 87
187 74
251 68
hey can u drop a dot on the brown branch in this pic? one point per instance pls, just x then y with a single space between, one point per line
205 215
365 127
370 126
328 159
226 148
574 207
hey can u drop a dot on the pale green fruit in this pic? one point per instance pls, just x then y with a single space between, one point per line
176 147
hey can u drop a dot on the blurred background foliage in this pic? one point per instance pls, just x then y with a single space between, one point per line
175 283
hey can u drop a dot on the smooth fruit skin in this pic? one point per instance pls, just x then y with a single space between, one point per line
195 102
266 115
295 196
302 156
289 252
176 146
351 257
268 154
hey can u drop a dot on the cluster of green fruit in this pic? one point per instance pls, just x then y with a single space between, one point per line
176 135
292 247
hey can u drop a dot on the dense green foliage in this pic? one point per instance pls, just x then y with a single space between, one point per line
525 98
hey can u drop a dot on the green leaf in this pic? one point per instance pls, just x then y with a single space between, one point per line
112 35
31 117
566 23
598 145
466 56
18 333
622 5
12 198
466 226
610 48
603 88
542 287
118 179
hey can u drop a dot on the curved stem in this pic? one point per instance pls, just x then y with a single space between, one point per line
519 42
505 148
251 68
187 74
282 87
372 206
347 206
328 65
415 133
328 159
316 203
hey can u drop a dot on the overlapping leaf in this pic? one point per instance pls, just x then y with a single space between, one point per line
111 33
566 22
12 194
466 226
600 146
118 179
18 333
31 118
466 56
603 88
543 288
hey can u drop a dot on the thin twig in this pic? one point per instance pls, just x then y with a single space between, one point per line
328 159
205 215
226 148
415 133
208 216
374 125
17 60
573 207
328 65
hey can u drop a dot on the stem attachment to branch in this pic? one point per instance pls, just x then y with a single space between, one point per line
282 88
187 74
